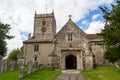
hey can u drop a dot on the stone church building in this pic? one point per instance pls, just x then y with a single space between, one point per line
70 48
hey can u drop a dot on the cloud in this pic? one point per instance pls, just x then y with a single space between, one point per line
78 9
20 14
95 27
84 22
95 16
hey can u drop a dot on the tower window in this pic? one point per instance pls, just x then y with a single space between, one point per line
35 58
70 36
36 47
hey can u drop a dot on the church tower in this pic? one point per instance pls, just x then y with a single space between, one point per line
44 26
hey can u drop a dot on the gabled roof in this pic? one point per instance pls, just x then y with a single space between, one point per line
69 23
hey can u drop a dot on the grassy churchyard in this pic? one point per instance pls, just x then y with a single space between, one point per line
44 74
99 73
102 73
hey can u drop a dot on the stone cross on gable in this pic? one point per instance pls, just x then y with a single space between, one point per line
70 16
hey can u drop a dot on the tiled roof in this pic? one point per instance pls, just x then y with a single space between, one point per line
94 37
32 40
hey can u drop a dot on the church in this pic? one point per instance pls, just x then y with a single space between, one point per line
70 48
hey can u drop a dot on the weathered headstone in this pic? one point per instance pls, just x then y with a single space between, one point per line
30 67
117 64
40 66
14 66
3 66
106 62
23 74
21 66
1 69
35 66
0 66
6 65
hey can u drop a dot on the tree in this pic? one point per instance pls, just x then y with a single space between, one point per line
13 54
111 32
4 30
0 57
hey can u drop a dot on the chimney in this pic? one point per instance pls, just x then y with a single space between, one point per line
29 36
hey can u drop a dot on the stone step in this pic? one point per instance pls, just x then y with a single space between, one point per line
70 75
71 71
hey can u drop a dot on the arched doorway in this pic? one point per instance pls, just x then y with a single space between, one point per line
71 62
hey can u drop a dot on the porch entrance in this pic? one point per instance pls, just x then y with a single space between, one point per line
71 62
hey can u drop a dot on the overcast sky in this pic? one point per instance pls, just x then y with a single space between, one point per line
20 15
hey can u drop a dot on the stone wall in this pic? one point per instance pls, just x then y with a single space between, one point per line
98 50
79 43
42 55
89 62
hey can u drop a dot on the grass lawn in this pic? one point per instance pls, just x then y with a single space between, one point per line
10 75
44 74
102 73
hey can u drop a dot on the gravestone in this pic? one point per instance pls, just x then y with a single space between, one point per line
40 66
30 67
35 67
3 66
117 64
21 66
23 73
6 65
14 66
1 69
0 66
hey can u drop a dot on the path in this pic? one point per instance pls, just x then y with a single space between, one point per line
70 75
